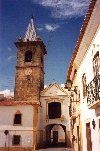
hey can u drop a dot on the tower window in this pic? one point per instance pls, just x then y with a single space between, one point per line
54 110
17 119
16 140
42 60
28 56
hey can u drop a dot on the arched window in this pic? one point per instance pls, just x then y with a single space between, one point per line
28 56
18 118
54 110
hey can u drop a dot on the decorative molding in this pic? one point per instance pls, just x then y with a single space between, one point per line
51 85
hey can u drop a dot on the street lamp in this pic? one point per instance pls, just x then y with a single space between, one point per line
93 123
6 132
68 84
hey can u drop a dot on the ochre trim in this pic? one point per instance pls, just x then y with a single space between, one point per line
15 103
68 138
20 130
35 125
81 138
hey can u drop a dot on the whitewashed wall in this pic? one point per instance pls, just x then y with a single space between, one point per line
6 123
87 115
55 94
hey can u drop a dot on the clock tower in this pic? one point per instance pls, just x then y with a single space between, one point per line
29 80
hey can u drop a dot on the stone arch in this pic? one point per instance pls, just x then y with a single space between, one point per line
53 131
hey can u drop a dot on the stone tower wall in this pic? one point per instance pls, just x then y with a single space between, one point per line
29 85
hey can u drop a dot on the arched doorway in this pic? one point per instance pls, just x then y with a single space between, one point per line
56 135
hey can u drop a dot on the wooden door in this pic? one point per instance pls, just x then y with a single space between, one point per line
55 137
88 136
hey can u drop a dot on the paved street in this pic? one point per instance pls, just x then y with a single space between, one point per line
56 149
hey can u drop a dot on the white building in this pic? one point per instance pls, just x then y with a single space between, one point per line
52 120
55 115
84 76
21 133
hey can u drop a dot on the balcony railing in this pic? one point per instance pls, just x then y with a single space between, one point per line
93 92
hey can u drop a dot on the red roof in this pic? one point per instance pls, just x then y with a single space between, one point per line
12 102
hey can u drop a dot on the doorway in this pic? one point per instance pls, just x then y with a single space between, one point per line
78 137
88 136
55 137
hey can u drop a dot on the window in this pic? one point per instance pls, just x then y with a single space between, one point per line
54 110
42 60
74 122
28 56
17 118
28 77
84 84
74 75
96 64
16 140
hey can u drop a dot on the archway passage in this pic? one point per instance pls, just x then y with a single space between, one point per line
55 135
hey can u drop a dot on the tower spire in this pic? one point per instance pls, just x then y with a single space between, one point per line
31 32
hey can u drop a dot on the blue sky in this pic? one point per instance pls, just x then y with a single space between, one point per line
58 23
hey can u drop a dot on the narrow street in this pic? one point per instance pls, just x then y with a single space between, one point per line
50 75
56 149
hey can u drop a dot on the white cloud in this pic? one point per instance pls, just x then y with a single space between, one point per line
62 85
65 8
40 28
7 92
51 27
11 57
9 49
45 86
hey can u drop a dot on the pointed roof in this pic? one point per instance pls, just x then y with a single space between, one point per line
31 32
53 89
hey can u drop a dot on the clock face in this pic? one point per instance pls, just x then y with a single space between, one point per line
28 71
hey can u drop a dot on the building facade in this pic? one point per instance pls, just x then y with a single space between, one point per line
83 82
35 116
19 116
55 116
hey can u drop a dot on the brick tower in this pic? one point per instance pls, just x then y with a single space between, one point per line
29 80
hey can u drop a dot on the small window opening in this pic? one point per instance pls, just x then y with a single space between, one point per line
17 119
28 56
54 110
16 140
28 77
